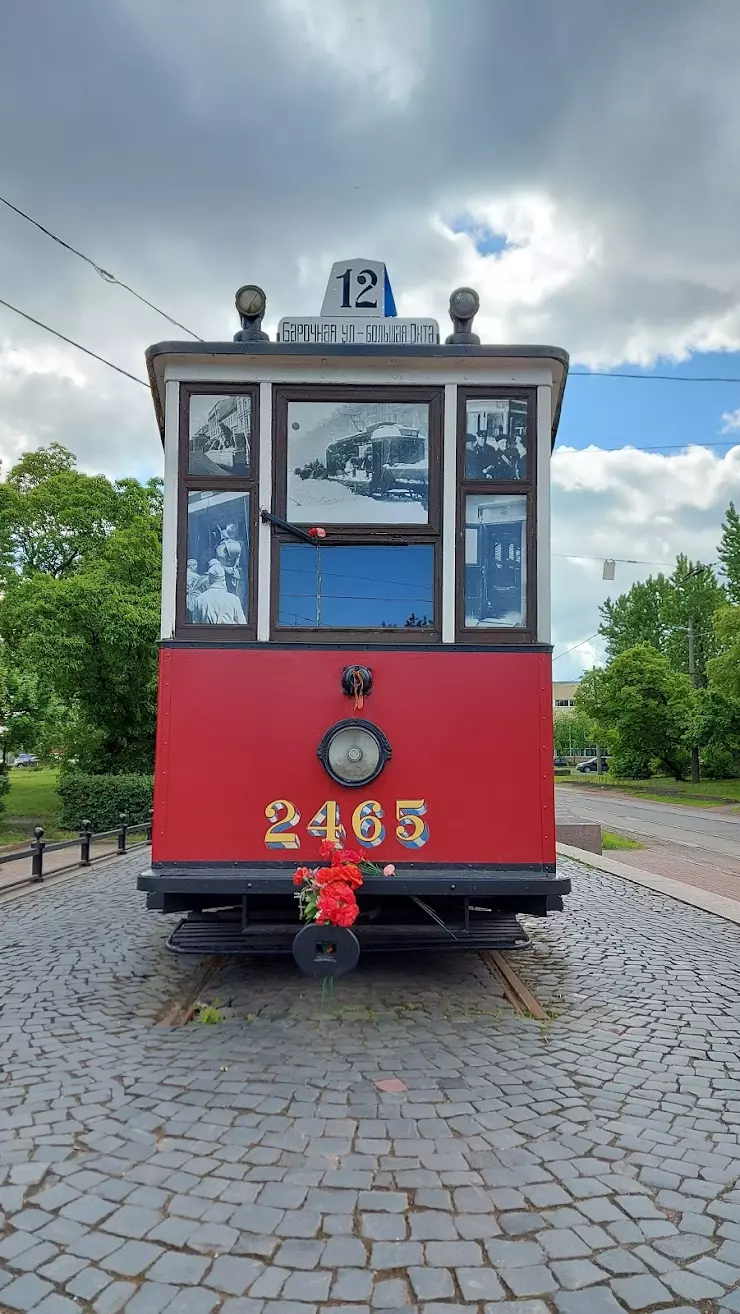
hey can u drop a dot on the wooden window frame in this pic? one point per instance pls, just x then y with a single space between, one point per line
494 635
359 535
188 483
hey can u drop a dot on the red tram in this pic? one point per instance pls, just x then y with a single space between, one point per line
355 626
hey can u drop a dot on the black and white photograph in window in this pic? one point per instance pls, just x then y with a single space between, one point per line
218 558
357 463
496 438
219 434
495 561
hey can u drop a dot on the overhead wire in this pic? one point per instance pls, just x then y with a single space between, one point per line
71 342
103 273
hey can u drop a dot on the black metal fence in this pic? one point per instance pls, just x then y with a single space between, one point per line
87 838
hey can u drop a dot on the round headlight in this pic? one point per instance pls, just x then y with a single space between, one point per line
251 301
354 752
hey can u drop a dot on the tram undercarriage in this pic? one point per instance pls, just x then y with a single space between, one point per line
264 925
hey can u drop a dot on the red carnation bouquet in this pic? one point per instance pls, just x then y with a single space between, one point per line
326 895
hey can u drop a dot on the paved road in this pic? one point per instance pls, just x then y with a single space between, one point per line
716 830
587 1166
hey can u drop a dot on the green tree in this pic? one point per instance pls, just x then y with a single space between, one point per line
574 732
91 637
643 711
729 553
723 670
634 617
660 610
717 733
693 597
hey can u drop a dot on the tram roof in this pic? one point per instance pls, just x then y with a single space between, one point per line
161 354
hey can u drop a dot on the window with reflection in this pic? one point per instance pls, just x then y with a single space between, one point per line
495 561
356 586
496 431
217 578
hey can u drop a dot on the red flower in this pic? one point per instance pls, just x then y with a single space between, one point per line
337 905
302 874
345 855
329 848
351 874
317 533
327 876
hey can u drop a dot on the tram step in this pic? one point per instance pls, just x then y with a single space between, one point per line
199 934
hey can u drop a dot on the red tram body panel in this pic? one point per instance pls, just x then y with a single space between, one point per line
471 735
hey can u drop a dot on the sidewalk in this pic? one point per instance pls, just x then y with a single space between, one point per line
684 891
12 873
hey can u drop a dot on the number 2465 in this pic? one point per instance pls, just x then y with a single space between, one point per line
368 824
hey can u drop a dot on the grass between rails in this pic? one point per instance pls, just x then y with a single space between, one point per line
611 840
32 800
662 789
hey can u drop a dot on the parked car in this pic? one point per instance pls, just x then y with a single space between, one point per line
592 764
560 761
26 760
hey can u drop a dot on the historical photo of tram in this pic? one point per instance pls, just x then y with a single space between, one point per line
495 561
219 434
218 558
358 462
496 438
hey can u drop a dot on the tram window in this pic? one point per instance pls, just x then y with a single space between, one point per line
356 587
358 462
495 561
219 434
217 587
496 438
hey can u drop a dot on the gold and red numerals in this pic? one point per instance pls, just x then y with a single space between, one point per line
367 823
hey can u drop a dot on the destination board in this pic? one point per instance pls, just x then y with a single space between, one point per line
348 332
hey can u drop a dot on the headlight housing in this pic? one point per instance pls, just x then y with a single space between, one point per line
354 752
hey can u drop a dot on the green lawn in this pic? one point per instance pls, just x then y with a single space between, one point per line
662 789
31 801
611 840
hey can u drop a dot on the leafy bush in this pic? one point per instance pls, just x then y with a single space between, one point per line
630 765
562 771
102 799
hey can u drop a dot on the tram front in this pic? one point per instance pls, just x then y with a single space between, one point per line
355 626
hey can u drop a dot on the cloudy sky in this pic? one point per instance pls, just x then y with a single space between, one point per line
577 162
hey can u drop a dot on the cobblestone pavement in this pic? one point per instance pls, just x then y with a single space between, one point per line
580 1166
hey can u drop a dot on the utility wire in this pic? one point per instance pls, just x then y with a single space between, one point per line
72 343
649 378
104 273
576 645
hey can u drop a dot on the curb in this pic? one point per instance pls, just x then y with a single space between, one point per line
717 904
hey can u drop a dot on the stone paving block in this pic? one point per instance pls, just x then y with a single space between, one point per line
89 1282
344 1252
133 1258
307 1286
151 1298
192 1300
180 1270
641 1291
479 1284
351 1285
514 1254
693 1286
25 1292
131 1221
535 1280
596 1300
114 1298
299 1254
384 1227
56 1304
392 1293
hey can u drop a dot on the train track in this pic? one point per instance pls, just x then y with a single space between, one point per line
516 992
